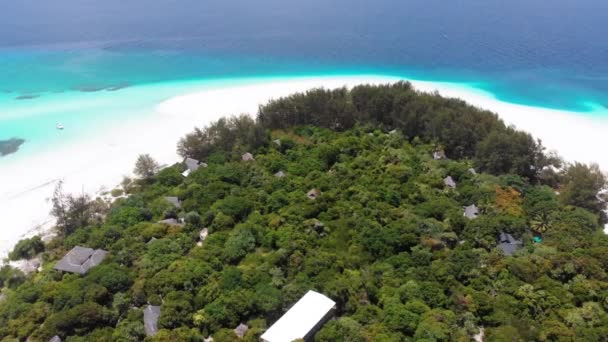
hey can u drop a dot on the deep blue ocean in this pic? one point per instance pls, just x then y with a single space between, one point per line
550 54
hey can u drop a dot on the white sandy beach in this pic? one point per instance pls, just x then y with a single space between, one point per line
104 159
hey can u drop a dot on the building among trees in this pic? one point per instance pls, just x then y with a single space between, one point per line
471 212
303 319
192 165
508 244
241 330
438 155
449 182
247 157
202 235
151 314
80 260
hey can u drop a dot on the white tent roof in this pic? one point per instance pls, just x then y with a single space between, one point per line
300 319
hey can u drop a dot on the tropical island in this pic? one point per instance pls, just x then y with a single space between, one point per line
421 217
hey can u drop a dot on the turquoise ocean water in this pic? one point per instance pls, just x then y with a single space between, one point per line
89 65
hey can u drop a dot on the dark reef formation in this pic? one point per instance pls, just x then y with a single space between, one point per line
10 146
27 97
95 88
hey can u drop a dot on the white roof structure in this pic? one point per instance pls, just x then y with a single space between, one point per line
192 165
449 182
241 330
151 315
471 212
300 321
203 234
247 157
440 154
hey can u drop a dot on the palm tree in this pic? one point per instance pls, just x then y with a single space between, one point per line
540 223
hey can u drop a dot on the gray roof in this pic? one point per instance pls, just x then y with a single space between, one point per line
171 222
472 171
277 142
55 339
449 182
193 164
471 211
80 260
203 234
438 155
241 330
280 174
247 157
175 201
151 314
313 194
508 244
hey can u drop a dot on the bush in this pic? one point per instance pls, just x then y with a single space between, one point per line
112 277
169 177
27 248
145 166
236 207
10 277
116 192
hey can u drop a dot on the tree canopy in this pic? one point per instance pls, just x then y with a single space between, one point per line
385 238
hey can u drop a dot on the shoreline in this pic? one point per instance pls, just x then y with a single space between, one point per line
104 159
573 135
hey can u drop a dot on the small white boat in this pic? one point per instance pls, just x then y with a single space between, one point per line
59 126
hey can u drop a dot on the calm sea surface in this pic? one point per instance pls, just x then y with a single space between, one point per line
57 56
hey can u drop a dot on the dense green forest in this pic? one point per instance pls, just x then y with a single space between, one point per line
385 237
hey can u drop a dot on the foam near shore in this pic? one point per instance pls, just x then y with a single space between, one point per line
103 159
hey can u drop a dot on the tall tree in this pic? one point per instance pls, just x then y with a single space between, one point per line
145 166
509 151
69 211
582 187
